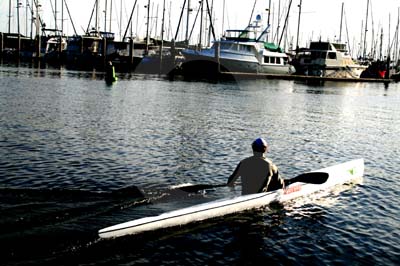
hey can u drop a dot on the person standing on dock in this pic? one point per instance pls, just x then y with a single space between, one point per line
258 173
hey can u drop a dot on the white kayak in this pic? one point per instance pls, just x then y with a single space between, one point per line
337 174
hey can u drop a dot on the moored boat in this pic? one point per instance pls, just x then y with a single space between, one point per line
327 59
55 49
239 51
338 174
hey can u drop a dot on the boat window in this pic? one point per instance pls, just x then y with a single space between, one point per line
332 55
274 60
245 48
225 46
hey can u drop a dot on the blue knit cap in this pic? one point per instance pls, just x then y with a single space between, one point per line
259 145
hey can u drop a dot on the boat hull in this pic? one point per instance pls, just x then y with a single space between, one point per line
234 62
338 174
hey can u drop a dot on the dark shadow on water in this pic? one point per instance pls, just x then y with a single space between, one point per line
38 223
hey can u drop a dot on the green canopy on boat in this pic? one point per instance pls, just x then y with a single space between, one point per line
272 47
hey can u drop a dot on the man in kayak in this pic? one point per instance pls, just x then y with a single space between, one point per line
258 173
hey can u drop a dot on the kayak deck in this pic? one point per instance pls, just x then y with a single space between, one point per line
338 174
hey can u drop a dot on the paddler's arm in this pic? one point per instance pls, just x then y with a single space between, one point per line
274 181
278 177
234 176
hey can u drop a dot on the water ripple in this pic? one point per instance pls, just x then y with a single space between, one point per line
63 130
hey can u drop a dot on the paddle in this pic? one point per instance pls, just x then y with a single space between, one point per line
309 178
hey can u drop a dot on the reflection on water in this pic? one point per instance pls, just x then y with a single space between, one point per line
65 130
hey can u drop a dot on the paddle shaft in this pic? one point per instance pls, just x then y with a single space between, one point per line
310 178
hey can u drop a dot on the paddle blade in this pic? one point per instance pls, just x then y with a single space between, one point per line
196 188
310 178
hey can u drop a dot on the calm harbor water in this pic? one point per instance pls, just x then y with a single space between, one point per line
69 143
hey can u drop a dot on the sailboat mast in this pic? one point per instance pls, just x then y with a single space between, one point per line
298 28
32 6
38 30
396 55
162 36
381 46
365 32
347 33
360 50
201 23
341 23
26 17
137 23
105 16
120 22
210 16
97 16
55 15
279 20
269 17
187 21
147 28
62 17
9 16
223 18
252 12
111 4
18 26
389 50
284 26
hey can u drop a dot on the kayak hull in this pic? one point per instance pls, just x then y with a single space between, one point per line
338 174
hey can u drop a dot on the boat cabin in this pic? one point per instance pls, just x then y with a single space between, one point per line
235 46
241 35
325 53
